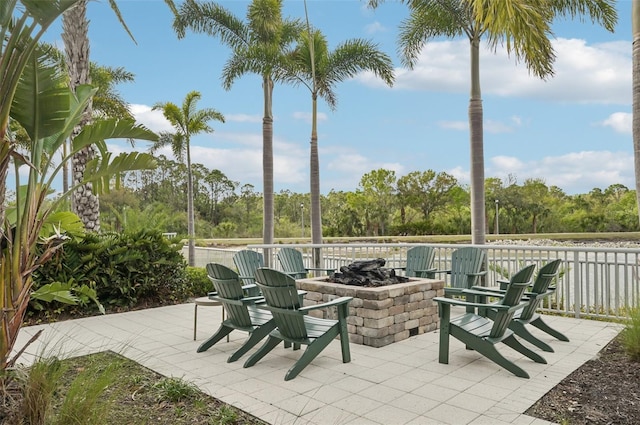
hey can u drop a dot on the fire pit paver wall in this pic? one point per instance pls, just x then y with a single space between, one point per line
382 315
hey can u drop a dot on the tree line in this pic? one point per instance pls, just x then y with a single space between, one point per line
383 204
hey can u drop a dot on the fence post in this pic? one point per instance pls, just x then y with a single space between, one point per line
577 296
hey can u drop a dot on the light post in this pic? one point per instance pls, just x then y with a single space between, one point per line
302 218
497 216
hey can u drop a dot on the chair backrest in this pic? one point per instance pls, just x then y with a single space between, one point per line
280 291
518 283
545 277
247 262
292 263
419 258
463 262
229 287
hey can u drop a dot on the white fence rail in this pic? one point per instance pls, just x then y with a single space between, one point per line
594 282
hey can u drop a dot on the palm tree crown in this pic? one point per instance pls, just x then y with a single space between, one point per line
187 121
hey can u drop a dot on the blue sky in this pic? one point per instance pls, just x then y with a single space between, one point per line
573 130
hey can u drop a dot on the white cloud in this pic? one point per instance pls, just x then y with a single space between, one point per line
489 126
454 125
243 118
619 122
154 120
576 172
375 27
584 73
306 116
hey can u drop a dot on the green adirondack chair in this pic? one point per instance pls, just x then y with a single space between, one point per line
482 334
293 264
419 261
293 323
466 270
527 316
241 311
247 262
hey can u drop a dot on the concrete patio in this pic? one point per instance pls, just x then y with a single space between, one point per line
401 383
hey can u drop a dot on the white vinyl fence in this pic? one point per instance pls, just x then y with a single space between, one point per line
594 282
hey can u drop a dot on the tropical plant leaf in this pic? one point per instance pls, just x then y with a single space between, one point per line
41 100
99 171
56 291
111 129
90 293
63 222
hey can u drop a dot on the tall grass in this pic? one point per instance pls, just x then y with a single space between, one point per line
631 335
39 384
84 403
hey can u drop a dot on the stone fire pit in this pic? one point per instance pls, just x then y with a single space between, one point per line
380 315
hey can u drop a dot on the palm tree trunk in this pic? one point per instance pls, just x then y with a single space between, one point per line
191 227
314 170
267 167
635 24
76 42
477 149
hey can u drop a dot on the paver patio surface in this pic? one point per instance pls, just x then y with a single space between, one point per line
401 383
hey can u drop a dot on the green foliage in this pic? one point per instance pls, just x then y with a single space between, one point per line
84 403
38 385
631 335
198 281
124 269
175 390
66 293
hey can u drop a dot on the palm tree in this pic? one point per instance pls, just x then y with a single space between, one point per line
320 70
188 122
523 26
635 27
75 28
107 102
259 46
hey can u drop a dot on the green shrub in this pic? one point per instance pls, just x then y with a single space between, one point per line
198 281
631 335
126 269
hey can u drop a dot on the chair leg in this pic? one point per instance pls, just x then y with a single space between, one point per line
521 330
255 337
445 312
490 352
269 345
343 312
512 342
195 321
309 354
220 333
540 324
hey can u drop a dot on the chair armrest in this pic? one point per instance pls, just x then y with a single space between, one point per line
454 301
482 273
421 272
488 289
320 269
337 301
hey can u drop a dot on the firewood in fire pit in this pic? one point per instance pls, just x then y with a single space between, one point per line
367 273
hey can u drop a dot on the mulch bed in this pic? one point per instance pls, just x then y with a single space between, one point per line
603 391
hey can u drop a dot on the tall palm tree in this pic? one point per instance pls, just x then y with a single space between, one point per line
523 26
259 46
320 70
188 121
635 28
75 27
